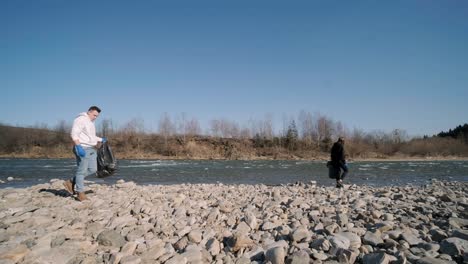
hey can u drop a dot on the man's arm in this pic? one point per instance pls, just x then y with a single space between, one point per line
76 130
342 154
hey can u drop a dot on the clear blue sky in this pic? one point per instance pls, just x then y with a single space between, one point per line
374 65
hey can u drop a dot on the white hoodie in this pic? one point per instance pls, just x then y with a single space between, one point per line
83 129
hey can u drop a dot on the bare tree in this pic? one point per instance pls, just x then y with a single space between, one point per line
166 127
106 127
285 129
267 127
253 127
228 129
358 135
225 127
340 130
132 131
192 127
63 129
235 130
324 131
134 126
306 125
286 122
245 133
399 136
261 128
215 128
181 124
187 127
378 139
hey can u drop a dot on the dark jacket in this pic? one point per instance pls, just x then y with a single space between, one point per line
337 154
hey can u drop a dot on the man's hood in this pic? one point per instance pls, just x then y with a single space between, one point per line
83 114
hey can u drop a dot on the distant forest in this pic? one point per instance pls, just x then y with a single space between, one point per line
460 133
308 137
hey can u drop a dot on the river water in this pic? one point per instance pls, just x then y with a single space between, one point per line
28 172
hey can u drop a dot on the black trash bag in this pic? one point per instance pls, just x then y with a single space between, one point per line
107 163
334 172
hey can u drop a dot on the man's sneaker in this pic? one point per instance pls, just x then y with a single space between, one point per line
339 184
69 186
82 196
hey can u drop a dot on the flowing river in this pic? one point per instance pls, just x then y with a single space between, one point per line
26 172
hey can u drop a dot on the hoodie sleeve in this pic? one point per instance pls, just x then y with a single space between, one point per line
77 127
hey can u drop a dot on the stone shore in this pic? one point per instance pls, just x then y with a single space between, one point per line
215 223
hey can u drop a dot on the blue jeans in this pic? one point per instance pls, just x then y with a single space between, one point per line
87 166
344 168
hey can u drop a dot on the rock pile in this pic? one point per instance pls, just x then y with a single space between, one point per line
215 223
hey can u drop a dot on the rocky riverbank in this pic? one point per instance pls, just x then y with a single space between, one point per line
215 223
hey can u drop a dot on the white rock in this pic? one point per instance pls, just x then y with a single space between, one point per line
275 255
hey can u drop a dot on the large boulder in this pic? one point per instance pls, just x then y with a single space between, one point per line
454 246
111 238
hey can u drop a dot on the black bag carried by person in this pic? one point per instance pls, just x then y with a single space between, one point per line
107 163
333 171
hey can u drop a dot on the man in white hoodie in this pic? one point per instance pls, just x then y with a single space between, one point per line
84 137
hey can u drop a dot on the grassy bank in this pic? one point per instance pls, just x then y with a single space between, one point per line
16 142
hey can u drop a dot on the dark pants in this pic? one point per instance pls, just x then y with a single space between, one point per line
344 171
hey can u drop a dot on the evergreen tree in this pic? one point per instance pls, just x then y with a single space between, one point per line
292 136
460 132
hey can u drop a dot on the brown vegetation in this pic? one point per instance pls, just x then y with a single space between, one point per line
131 142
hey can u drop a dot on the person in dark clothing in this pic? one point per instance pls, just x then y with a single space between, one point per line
338 160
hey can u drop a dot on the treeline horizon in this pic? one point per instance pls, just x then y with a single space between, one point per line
305 137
